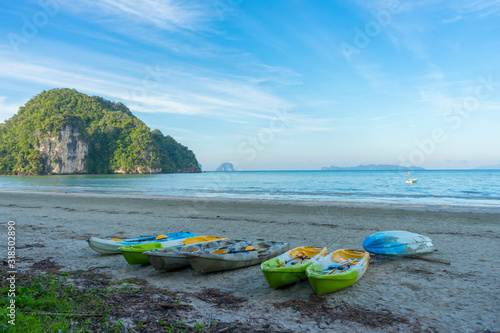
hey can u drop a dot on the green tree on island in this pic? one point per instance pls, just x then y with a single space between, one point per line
114 139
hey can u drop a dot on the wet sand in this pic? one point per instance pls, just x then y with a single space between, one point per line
398 294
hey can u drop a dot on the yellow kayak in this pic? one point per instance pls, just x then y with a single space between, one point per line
290 267
337 270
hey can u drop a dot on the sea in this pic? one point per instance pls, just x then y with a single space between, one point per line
479 188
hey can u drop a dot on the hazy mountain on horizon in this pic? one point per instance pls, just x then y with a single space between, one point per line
489 167
373 167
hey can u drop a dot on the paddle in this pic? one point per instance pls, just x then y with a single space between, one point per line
302 256
430 259
247 249
346 264
161 237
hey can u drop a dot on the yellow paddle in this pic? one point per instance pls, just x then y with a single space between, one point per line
302 256
248 248
344 264
161 237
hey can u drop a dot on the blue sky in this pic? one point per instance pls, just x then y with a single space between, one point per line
275 85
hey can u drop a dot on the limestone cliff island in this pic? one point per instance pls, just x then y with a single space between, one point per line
63 131
226 167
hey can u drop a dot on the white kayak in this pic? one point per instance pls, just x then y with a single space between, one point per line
110 246
235 256
168 259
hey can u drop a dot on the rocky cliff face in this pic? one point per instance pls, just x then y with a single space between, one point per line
225 167
138 169
65 153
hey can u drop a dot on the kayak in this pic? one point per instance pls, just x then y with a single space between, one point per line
110 246
336 270
134 253
290 267
168 259
235 256
397 242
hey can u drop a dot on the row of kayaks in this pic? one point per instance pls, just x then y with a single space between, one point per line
326 271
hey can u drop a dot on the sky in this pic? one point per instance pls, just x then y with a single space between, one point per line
275 85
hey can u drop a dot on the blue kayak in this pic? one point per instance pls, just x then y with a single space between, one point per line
110 246
398 242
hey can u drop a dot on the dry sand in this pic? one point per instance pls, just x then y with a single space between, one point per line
394 295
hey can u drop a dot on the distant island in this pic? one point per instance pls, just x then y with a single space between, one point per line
489 167
225 167
373 167
63 131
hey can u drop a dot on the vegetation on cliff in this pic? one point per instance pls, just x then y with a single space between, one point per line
117 140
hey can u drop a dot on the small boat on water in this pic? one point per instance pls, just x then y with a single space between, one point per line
290 267
134 253
168 259
411 181
110 246
337 270
235 256
398 242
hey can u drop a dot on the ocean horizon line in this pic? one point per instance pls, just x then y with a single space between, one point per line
440 187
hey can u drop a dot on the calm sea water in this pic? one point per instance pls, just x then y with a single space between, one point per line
464 187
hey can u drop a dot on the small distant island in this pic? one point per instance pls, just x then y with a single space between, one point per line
62 131
489 167
225 167
378 167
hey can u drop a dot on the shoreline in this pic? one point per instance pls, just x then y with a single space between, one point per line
51 231
310 203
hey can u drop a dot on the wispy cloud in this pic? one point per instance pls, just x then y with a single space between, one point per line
174 25
177 91
481 8
445 96
392 115
163 14
452 20
374 75
7 110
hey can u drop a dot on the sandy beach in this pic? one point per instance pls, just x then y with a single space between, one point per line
395 295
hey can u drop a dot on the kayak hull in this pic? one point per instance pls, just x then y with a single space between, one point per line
323 283
168 259
110 246
134 254
169 264
281 276
236 256
398 242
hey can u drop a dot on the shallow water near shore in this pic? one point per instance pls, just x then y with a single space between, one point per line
433 187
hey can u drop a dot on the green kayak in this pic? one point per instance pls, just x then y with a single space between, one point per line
134 253
337 270
290 266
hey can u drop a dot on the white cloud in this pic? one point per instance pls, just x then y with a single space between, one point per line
177 26
7 110
190 91
163 14
374 75
481 8
452 20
